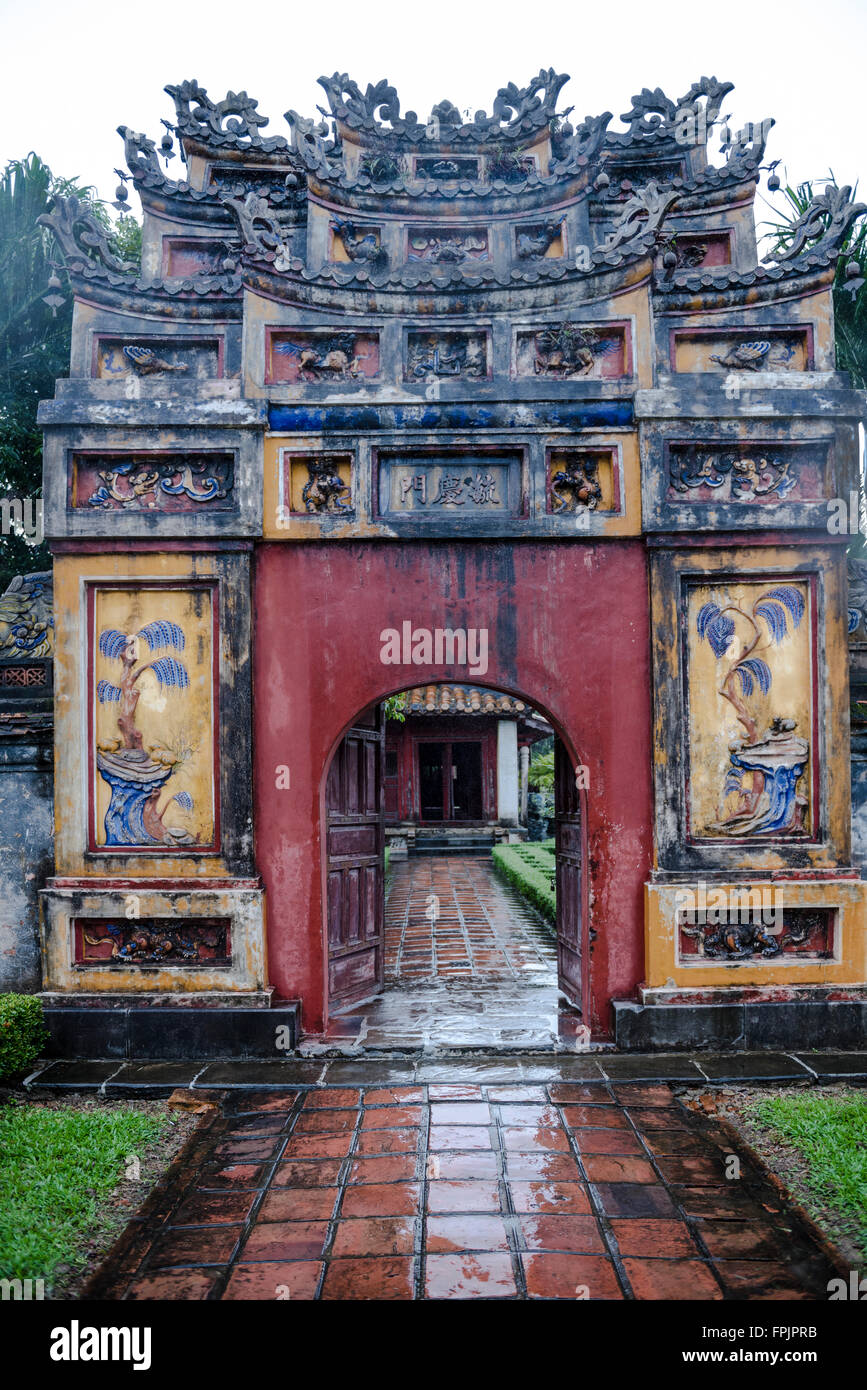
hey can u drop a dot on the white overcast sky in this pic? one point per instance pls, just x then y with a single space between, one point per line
74 70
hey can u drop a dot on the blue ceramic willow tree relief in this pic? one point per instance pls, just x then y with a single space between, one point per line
761 785
135 776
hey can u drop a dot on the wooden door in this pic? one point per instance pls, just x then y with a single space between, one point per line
568 852
355 837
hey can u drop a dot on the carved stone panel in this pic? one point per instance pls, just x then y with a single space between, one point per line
155 359
742 350
317 484
582 480
754 472
150 942
564 351
435 356
447 245
155 482
183 257
460 487
314 356
752 924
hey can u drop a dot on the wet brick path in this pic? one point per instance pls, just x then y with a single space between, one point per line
480 973
483 929
562 1190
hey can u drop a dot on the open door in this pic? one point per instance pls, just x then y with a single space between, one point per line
568 853
354 847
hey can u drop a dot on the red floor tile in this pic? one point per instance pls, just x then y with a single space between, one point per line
618 1168
381 1199
196 1245
457 1233
387 1141
175 1285
535 1140
209 1208
330 1098
270 1280
649 1238
459 1196
664 1279
549 1197
375 1235
395 1095
317 1146
469 1276
594 1117
392 1117
570 1276
371 1278
307 1173
285 1240
388 1168
575 1233
326 1122
299 1204
607 1141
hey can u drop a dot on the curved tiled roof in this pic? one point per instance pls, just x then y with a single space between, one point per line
462 699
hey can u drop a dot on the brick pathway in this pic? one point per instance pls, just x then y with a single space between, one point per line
482 928
480 972
546 1191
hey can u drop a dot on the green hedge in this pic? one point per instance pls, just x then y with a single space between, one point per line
22 1032
530 870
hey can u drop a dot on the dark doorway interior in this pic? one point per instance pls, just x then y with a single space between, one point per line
450 781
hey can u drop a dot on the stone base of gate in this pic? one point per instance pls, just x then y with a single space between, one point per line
171 1028
147 938
737 1025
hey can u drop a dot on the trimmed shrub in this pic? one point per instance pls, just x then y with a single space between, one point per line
529 868
22 1032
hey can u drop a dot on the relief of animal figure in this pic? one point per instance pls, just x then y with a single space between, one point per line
536 241
737 940
146 362
336 358
568 350
361 248
576 485
323 492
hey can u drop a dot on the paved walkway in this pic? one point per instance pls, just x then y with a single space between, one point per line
448 916
564 1190
467 964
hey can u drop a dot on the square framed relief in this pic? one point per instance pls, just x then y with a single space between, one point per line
153 718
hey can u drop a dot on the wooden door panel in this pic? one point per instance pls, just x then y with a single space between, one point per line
568 847
354 849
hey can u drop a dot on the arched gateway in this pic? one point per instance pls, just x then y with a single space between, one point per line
507 401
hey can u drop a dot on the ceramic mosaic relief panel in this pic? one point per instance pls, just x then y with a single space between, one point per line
153 713
749 687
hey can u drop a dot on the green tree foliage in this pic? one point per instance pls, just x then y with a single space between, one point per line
34 336
540 774
850 310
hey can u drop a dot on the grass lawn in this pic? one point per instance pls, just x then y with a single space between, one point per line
816 1142
529 868
60 1164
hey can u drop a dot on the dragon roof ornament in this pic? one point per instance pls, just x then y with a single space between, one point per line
653 114
233 123
81 238
826 220
518 111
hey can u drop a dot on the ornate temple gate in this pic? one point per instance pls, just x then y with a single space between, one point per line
393 401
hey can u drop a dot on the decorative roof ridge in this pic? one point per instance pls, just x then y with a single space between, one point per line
633 237
233 123
517 112
830 213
